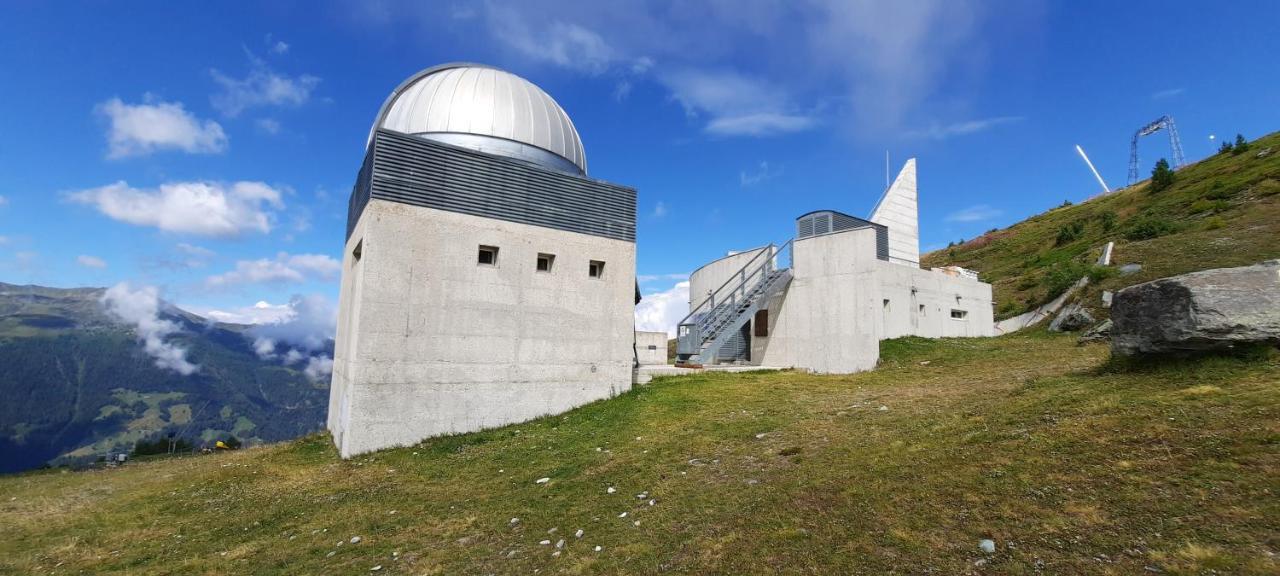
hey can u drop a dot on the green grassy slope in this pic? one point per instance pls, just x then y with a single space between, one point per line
1071 464
1223 211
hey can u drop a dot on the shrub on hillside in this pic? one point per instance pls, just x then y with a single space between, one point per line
1161 176
1225 148
1108 220
1069 233
1206 205
1062 276
1098 273
1214 223
1241 145
1149 227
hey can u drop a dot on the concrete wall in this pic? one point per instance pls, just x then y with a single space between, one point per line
430 343
827 320
651 348
916 302
713 274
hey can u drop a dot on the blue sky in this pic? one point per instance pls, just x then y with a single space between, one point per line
208 151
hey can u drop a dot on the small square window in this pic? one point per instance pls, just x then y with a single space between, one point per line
488 256
595 269
922 309
959 314
652 347
545 261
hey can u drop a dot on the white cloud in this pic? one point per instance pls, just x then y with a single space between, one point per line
942 132
268 126
563 44
978 213
262 312
203 208
262 87
91 261
1167 93
4 240
659 312
141 308
892 55
305 332
645 278
285 268
3 201
319 367
736 105
280 47
760 174
140 129
660 209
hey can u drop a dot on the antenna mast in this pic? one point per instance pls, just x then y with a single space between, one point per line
1165 122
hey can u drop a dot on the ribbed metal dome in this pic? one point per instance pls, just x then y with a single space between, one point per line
486 109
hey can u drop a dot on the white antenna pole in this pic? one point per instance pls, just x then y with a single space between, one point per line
1094 170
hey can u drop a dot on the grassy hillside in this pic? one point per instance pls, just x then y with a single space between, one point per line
76 383
1222 211
1071 463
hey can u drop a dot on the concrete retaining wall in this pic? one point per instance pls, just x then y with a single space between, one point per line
651 348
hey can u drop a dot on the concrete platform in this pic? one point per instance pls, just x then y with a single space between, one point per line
647 373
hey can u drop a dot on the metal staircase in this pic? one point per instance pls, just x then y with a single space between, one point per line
722 314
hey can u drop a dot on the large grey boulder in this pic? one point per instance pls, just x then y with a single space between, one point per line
1071 318
1208 310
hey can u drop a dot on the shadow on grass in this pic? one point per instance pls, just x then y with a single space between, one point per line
1243 356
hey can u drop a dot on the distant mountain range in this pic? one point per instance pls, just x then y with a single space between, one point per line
78 384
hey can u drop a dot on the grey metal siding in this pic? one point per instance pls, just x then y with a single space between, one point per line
421 172
828 221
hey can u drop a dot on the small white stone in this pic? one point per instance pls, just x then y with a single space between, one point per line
642 495
622 515
392 512
542 481
514 521
636 523
578 534
376 568
560 543
883 408
555 554
598 548
598 448
545 543
355 539
987 545
329 555
611 490
552 530
652 502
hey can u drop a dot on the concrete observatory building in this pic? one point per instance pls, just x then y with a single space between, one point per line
486 278
824 300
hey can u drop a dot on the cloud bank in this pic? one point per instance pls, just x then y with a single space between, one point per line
201 208
141 129
659 312
141 309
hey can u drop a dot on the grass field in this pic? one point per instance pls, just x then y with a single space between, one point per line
1069 462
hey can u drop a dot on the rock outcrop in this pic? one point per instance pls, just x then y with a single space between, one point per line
1208 310
1071 318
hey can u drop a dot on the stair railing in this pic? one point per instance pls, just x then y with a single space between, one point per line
722 304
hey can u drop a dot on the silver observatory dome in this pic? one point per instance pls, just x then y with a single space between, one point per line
486 109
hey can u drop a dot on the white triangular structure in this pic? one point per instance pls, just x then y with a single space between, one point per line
897 210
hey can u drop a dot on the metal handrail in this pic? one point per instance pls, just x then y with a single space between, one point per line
741 275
